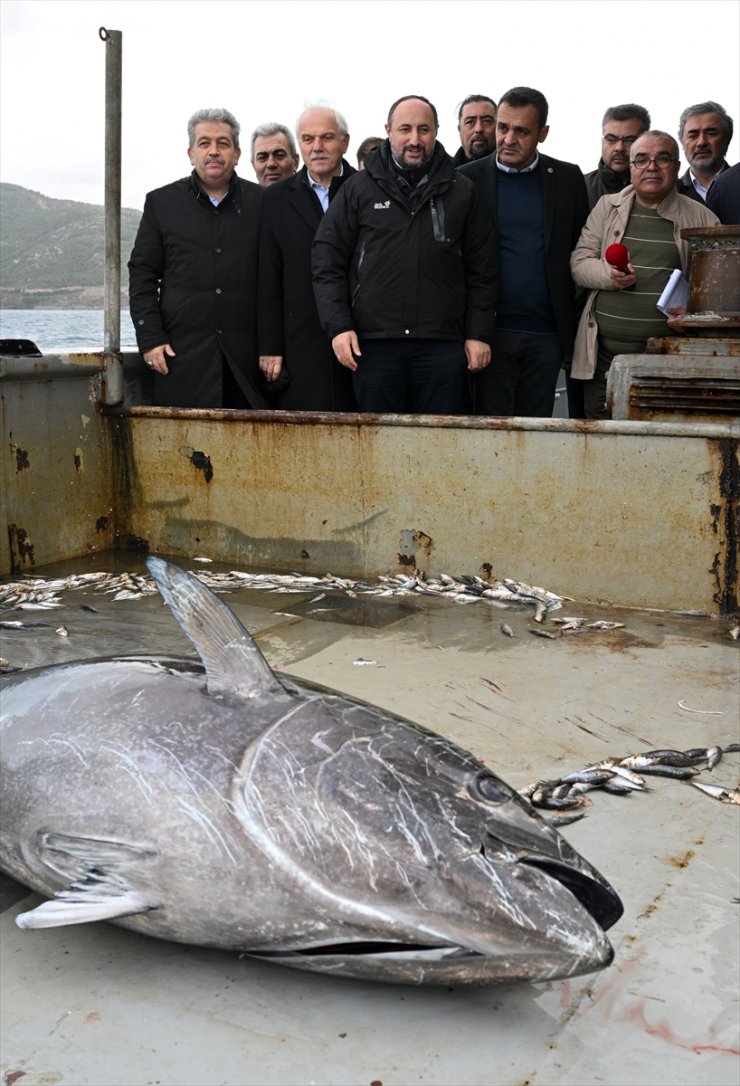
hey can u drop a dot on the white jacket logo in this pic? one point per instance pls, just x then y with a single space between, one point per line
382 207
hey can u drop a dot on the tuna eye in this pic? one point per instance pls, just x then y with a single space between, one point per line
490 789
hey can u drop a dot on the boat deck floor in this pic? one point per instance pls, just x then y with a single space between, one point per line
99 1005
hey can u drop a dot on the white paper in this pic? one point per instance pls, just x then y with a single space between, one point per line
675 294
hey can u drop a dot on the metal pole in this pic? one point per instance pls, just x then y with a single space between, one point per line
112 375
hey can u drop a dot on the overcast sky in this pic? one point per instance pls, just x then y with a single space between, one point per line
263 60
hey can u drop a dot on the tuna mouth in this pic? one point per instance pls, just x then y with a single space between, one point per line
598 899
363 949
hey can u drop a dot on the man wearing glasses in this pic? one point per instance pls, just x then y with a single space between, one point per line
647 218
620 127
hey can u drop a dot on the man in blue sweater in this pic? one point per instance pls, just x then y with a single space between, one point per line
538 206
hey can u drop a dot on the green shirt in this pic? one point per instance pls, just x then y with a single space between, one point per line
628 318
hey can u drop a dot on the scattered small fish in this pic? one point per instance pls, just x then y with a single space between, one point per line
359 662
716 791
62 631
543 633
505 629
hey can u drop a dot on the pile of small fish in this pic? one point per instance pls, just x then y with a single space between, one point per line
36 593
620 776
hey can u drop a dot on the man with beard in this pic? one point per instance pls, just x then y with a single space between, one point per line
193 276
299 367
620 127
403 272
705 132
476 123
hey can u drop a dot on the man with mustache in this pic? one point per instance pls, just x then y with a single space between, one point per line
193 276
705 131
476 123
298 365
404 274
274 157
620 127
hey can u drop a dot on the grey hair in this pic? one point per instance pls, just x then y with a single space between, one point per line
342 126
628 112
707 107
273 128
655 132
214 116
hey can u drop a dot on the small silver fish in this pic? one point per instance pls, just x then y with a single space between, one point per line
505 629
716 791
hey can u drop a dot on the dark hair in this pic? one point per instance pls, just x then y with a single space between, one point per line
527 96
707 107
369 144
474 98
214 116
408 98
628 112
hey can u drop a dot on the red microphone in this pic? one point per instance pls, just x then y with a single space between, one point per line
618 256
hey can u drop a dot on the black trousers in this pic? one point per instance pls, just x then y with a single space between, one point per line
522 376
421 376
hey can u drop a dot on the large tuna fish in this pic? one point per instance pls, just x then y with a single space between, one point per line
237 810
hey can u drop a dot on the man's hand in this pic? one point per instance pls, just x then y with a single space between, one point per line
271 365
155 358
478 354
623 280
346 347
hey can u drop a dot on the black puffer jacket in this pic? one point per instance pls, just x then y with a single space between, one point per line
388 268
193 284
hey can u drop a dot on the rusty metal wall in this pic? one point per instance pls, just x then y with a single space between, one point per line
638 514
633 513
57 498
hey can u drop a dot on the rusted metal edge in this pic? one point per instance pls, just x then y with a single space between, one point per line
456 422
72 366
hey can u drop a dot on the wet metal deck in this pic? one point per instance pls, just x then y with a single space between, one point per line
98 1005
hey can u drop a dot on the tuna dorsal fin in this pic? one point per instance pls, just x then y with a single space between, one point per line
233 663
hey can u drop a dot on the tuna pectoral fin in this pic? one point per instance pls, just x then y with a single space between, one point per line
233 663
101 876
83 906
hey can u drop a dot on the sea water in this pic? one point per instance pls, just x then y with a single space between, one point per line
63 329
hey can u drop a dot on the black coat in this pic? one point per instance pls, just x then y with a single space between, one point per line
193 284
288 323
388 273
565 210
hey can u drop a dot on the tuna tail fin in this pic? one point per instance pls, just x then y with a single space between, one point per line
233 662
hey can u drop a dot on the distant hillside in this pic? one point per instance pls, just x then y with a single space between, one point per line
52 251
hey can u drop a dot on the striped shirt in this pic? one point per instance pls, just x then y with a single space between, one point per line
628 318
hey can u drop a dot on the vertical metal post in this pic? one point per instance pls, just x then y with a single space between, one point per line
112 375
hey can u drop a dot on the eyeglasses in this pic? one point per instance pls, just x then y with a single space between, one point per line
640 162
614 140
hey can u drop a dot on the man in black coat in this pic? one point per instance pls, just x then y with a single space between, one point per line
295 354
538 206
403 272
193 276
